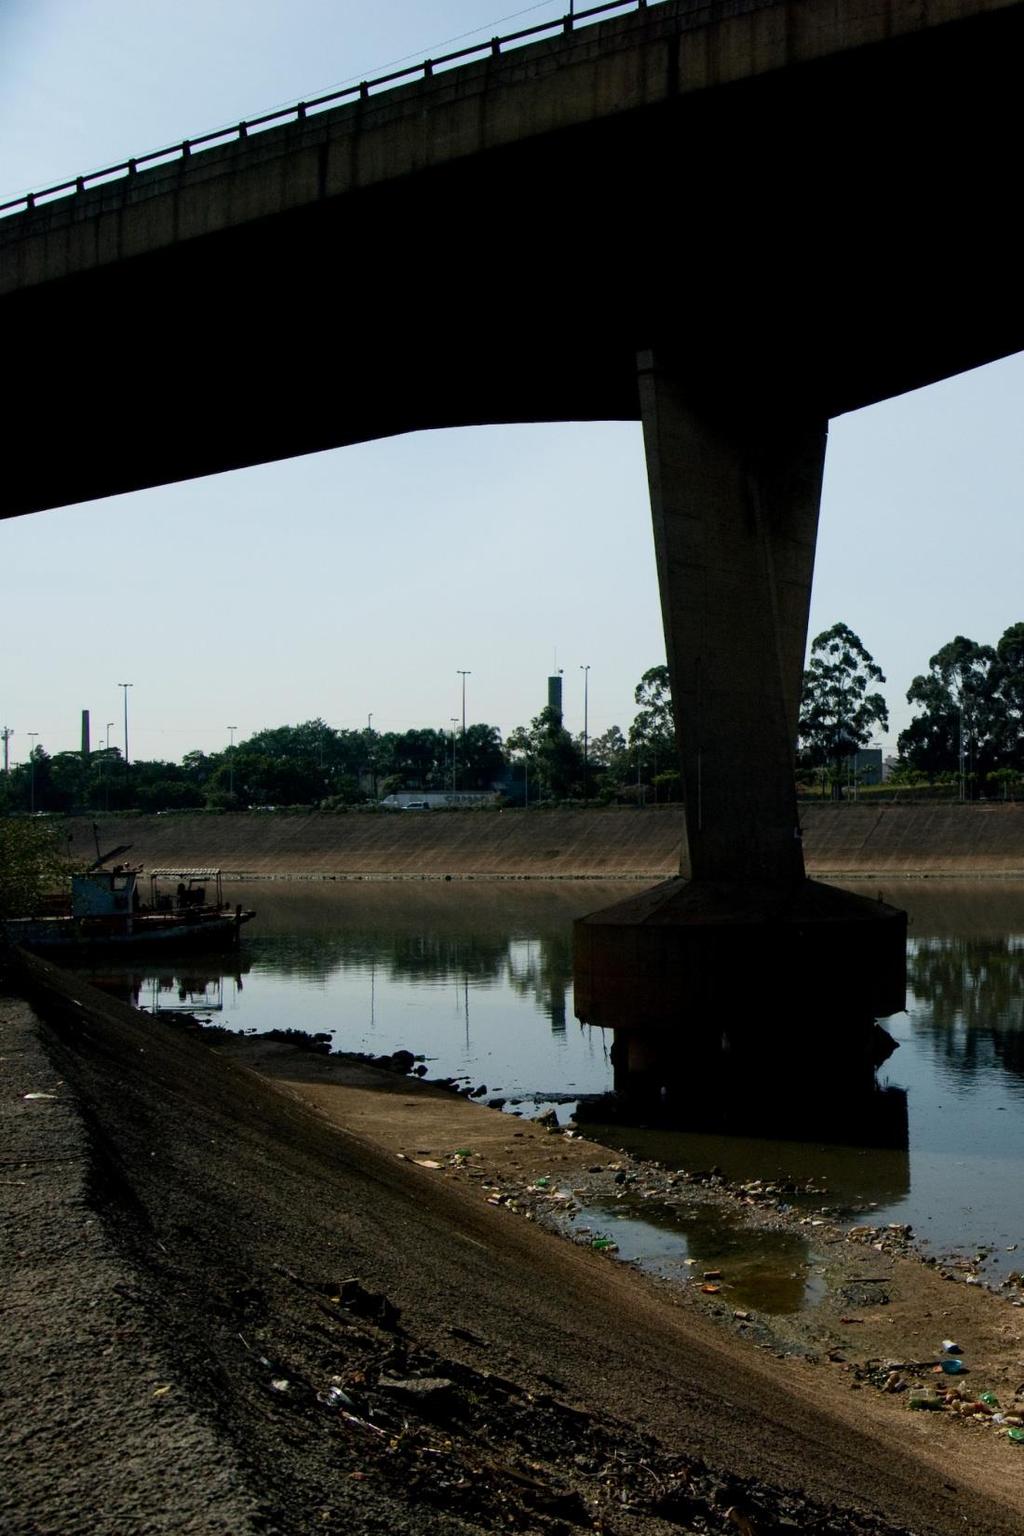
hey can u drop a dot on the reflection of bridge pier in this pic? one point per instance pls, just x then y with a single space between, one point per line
741 1010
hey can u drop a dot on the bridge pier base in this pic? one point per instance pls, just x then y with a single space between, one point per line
747 1010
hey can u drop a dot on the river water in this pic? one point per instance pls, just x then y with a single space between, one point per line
477 977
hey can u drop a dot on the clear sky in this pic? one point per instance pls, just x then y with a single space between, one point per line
351 583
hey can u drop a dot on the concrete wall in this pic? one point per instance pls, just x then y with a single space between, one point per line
844 841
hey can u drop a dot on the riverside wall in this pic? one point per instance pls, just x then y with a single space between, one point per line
844 841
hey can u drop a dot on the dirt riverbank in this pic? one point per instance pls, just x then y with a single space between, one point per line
845 841
355 1339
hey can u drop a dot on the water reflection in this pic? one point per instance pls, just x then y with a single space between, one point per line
503 938
185 987
478 978
973 991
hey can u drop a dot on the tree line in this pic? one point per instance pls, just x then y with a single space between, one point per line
315 764
968 726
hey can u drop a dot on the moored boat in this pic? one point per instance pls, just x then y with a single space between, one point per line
107 915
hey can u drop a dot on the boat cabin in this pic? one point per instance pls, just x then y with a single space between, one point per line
105 892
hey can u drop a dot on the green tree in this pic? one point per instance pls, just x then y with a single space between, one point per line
610 764
555 761
652 737
480 757
34 861
837 712
1008 697
653 729
956 712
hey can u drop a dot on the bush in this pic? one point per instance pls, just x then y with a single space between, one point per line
34 861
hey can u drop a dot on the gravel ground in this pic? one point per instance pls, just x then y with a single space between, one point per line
230 1310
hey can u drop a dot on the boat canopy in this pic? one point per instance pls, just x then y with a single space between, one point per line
191 885
184 874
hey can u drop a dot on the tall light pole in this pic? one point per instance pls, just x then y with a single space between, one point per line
32 770
231 760
106 770
369 752
586 736
463 675
126 686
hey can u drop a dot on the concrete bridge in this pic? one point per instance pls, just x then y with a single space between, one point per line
730 220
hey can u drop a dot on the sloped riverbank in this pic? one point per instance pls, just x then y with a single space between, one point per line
370 1344
845 841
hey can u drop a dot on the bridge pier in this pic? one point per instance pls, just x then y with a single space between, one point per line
734 499
741 963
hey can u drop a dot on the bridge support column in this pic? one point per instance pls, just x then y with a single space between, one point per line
734 497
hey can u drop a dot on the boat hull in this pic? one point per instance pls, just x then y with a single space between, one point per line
70 938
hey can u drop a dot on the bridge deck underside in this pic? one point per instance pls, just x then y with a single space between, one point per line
828 236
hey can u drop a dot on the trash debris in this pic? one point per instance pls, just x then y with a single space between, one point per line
951 1367
1016 1435
162 1391
334 1397
39 1095
280 1384
950 1348
426 1162
924 1397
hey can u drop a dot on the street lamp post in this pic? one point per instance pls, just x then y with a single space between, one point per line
231 760
32 771
106 770
586 736
126 686
369 752
463 675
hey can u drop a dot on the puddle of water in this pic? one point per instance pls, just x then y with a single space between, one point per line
767 1272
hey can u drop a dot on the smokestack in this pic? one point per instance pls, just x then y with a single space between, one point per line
85 735
555 694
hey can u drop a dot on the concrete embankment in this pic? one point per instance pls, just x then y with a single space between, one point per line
845 841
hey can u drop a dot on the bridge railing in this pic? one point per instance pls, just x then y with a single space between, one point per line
301 109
